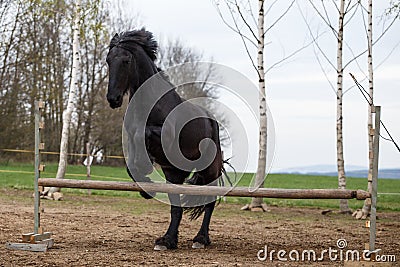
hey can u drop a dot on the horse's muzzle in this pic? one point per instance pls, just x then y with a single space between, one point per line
115 102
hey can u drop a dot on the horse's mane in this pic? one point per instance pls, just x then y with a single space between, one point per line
141 37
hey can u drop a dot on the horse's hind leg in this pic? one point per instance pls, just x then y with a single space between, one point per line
202 238
170 239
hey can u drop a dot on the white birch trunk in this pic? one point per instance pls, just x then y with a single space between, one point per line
71 97
262 155
367 203
344 208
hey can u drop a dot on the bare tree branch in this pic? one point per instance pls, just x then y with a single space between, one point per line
251 12
350 7
245 21
352 15
315 39
334 3
290 55
377 65
244 43
324 72
325 19
270 7
236 30
375 42
320 50
327 22
388 55
280 17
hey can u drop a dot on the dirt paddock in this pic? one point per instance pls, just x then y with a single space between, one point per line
115 231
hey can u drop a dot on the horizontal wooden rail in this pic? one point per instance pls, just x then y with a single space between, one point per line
208 190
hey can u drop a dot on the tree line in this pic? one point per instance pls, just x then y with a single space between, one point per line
35 64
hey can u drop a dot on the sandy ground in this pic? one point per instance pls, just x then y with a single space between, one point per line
114 231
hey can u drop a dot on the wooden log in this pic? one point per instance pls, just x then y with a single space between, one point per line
208 190
28 247
48 242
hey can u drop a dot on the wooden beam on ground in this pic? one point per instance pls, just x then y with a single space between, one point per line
28 247
208 190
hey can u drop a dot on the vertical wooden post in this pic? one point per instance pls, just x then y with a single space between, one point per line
38 107
88 163
374 187
38 240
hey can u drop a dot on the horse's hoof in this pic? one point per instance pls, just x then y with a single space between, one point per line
160 248
166 242
198 245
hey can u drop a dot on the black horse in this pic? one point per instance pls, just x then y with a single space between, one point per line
131 64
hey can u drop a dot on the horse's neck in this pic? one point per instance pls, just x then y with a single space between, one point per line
159 90
157 93
144 69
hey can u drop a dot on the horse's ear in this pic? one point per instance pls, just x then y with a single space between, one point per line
114 40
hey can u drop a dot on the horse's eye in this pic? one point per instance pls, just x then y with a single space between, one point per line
127 61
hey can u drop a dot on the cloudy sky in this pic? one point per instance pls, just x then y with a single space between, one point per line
300 97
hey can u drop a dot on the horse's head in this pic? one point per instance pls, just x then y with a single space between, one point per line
119 63
128 50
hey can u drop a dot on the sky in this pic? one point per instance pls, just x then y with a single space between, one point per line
299 96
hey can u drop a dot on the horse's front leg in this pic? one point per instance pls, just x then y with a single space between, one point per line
170 238
202 238
138 163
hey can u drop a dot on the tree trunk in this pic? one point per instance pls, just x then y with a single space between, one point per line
344 207
367 203
71 97
257 202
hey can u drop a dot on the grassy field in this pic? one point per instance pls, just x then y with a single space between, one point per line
20 176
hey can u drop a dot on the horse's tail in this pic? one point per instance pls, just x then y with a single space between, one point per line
221 180
194 205
190 202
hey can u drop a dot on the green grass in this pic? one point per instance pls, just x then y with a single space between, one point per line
20 176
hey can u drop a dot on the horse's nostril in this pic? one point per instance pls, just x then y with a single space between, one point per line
114 101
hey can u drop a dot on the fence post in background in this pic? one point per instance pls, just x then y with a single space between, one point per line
88 163
38 126
374 188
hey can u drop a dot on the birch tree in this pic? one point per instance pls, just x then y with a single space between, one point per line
367 203
392 10
262 151
344 206
71 97
345 8
242 17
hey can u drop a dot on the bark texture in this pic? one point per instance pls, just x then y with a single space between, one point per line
62 164
344 207
257 203
367 203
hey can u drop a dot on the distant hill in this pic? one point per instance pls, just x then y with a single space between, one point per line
330 170
384 173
